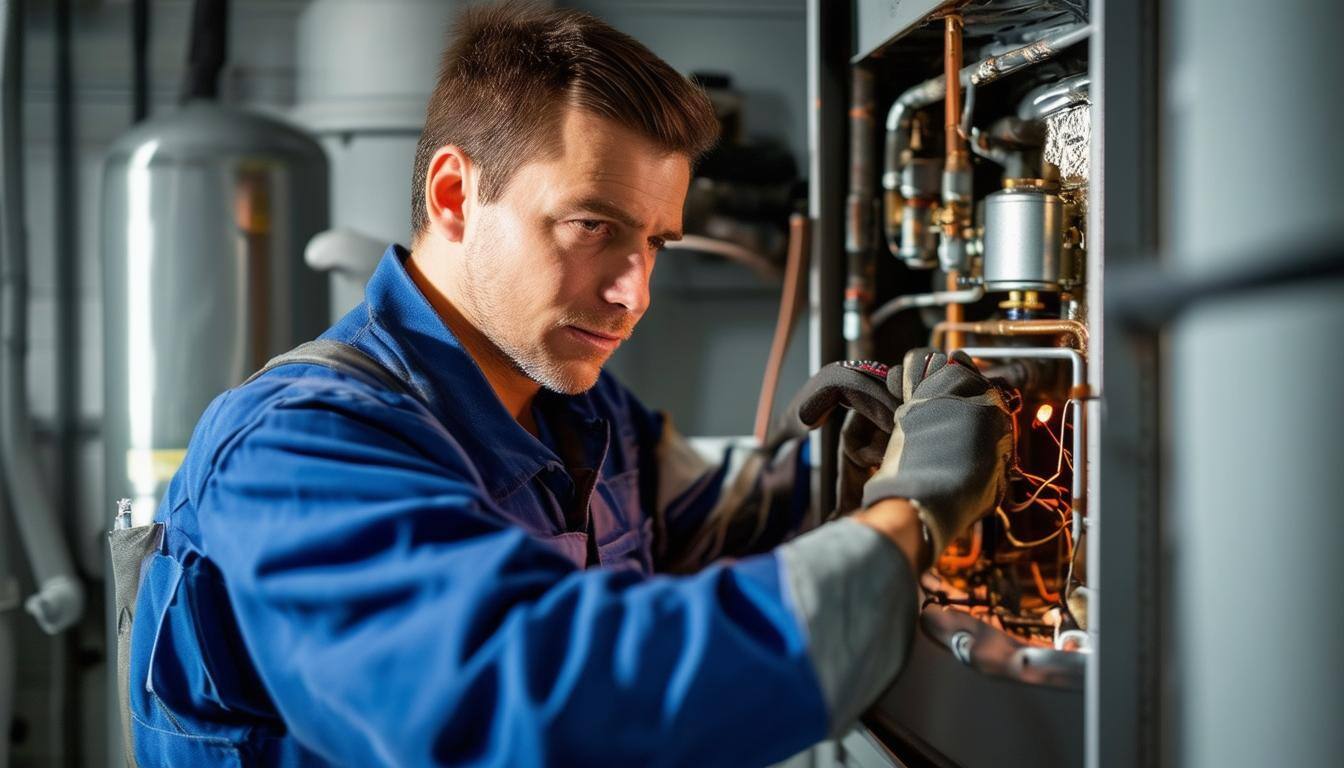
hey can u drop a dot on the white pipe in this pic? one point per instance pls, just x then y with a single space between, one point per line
933 299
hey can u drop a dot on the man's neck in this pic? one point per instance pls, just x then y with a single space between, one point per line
514 390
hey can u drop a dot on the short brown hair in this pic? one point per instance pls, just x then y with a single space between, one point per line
511 67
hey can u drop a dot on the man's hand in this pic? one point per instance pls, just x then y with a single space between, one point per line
864 389
898 520
950 446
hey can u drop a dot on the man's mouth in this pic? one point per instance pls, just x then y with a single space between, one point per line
599 339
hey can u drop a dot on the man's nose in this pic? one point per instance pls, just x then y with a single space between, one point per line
629 286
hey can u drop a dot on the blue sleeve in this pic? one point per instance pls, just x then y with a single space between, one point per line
746 504
395 618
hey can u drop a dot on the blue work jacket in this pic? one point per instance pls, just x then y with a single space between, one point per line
350 575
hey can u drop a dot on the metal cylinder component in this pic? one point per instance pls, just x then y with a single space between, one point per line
919 237
921 178
920 187
206 212
1023 240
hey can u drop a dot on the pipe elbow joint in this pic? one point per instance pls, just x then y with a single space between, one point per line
57 604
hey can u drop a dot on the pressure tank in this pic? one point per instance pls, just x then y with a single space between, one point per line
206 212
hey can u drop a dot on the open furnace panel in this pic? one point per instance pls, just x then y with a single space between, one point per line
967 228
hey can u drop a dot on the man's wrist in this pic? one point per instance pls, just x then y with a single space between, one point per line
898 520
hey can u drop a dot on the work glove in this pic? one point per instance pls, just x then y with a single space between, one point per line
950 448
861 387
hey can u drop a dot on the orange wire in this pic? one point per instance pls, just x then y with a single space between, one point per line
967 560
1046 595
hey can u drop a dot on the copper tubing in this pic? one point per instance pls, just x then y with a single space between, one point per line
956 145
790 302
1072 328
955 314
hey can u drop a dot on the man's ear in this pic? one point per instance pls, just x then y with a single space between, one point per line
449 189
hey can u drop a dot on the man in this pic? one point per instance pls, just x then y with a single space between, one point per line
460 568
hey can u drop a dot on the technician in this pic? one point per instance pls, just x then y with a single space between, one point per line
493 554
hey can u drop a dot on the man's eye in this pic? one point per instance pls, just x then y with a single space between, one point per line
591 226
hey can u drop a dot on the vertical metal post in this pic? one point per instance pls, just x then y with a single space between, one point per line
1122 548
828 48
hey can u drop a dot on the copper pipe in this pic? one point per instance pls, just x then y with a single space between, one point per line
791 299
956 147
955 314
1071 328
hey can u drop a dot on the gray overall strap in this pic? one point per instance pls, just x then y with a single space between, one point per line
131 547
338 356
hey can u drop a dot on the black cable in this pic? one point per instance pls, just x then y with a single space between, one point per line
139 60
65 239
208 49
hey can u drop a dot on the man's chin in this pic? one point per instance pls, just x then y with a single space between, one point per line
571 377
580 381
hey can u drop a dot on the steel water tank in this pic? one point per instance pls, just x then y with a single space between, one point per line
206 212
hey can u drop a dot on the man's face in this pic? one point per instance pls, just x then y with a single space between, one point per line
557 268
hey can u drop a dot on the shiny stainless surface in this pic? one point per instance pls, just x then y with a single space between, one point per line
1022 240
206 213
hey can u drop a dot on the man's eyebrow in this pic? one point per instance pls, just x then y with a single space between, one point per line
607 208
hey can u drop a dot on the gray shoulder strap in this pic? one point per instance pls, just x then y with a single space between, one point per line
341 357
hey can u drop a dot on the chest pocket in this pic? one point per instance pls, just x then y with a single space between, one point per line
624 534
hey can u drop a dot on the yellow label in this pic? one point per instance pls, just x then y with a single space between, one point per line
158 463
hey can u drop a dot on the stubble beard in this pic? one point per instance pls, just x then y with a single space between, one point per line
494 316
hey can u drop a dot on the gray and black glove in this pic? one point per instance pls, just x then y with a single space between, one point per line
862 387
950 448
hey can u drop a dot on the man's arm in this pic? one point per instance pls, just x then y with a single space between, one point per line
764 496
395 618
749 502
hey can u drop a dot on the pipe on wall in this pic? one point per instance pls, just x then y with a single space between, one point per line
859 216
59 597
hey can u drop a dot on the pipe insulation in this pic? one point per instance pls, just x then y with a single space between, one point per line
59 597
